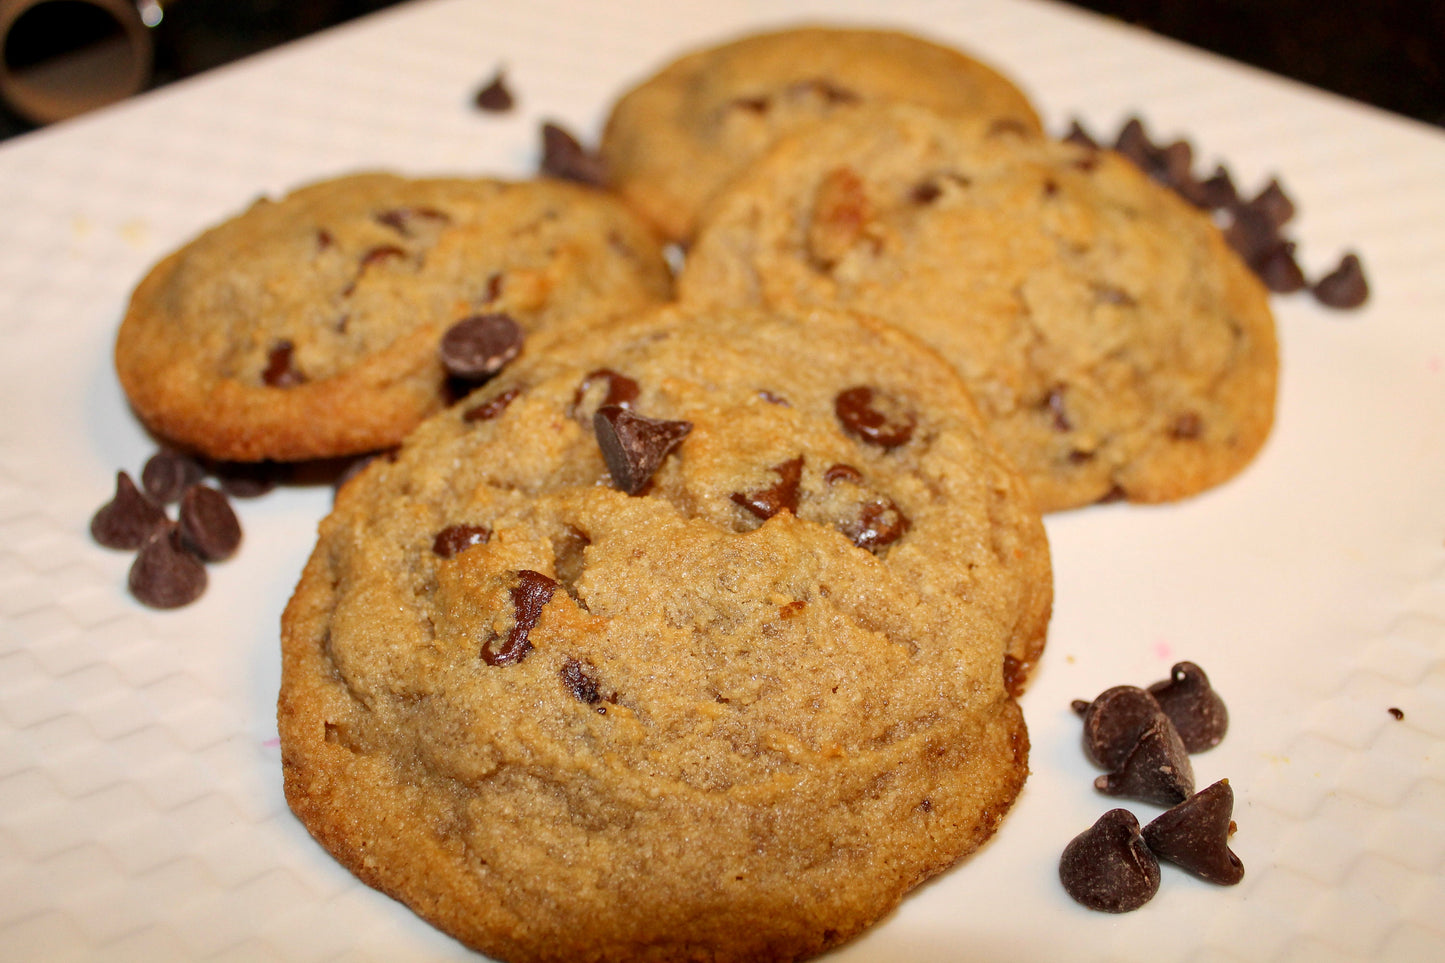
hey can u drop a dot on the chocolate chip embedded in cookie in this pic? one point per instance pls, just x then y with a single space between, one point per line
678 137
1115 343
312 326
729 698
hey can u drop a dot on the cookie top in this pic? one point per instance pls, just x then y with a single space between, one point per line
675 139
1115 343
734 716
308 327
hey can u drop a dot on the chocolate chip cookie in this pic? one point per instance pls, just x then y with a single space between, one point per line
677 137
1115 343
668 645
307 327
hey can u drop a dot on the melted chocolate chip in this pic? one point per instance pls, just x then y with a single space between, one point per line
1108 867
1345 286
492 407
842 473
207 525
879 524
168 473
1194 835
621 390
580 680
1157 769
129 519
767 502
564 157
495 97
478 347
1114 721
529 596
281 370
165 575
875 416
1186 427
634 446
1190 702
455 539
403 220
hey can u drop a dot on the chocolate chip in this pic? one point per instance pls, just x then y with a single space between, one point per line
753 105
1194 835
879 524
1274 204
1345 286
634 446
381 253
248 479
1190 702
492 407
164 574
564 157
403 221
1397 712
1217 191
1114 721
1076 134
875 416
767 502
1188 426
1157 769
129 519
281 370
495 97
1253 235
168 473
1279 270
478 347
455 539
925 193
842 473
579 679
621 390
207 525
1134 143
1108 867
529 596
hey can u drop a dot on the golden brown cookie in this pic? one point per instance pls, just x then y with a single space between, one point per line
1115 343
308 327
675 139
734 716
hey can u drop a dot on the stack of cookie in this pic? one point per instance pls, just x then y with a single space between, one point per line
696 632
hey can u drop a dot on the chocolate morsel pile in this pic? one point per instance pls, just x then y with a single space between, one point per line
1253 227
1144 738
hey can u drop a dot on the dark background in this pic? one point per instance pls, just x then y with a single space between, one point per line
1390 53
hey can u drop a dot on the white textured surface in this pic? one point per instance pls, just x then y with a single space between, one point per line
141 815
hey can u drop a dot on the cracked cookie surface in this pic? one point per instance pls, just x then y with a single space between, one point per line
1115 344
307 327
683 133
733 716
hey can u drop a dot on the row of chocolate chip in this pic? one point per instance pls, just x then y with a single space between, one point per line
169 569
1252 227
1144 737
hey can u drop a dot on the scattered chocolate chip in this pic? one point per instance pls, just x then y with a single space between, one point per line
767 502
1217 191
206 525
1252 234
1190 702
1108 867
478 347
1398 713
633 445
1176 162
1194 835
492 407
168 473
1345 286
1134 143
281 370
564 157
1076 134
1187 426
879 524
529 596
129 519
842 473
455 539
621 390
1114 721
580 681
165 575
1274 204
403 221
1157 769
1279 270
875 416
495 97
248 479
